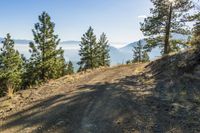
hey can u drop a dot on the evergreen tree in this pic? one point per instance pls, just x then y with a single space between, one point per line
70 68
103 51
139 54
168 16
10 67
88 51
196 30
128 62
145 56
46 61
62 64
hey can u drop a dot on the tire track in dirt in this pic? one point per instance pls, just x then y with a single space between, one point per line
102 104
93 105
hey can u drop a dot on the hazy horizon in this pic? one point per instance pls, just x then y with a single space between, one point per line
67 42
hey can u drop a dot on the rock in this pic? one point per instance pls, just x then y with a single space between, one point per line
26 94
60 123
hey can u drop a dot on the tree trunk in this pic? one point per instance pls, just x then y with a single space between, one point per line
43 53
167 35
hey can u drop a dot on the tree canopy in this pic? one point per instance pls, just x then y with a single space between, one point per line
167 17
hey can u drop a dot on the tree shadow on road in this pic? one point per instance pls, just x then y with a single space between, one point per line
127 105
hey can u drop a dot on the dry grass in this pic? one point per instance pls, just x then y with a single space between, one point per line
150 81
139 69
10 91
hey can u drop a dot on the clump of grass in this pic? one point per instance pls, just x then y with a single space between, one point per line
10 91
139 69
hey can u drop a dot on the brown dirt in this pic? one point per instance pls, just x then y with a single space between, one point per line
124 99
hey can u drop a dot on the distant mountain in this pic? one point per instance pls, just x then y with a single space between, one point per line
18 41
127 51
70 42
129 47
24 41
117 55
71 48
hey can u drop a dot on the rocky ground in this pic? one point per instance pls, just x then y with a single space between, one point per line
137 98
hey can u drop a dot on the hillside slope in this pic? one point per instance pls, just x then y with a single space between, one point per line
162 96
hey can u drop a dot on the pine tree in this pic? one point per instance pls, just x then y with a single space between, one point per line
168 16
139 54
88 51
46 61
196 30
70 68
63 65
10 67
145 56
103 51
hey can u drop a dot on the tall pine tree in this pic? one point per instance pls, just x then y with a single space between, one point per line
103 51
167 18
10 67
196 31
46 61
139 54
88 51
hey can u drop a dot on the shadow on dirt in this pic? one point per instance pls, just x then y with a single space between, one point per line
128 105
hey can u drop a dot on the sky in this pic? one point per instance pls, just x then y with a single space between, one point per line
119 19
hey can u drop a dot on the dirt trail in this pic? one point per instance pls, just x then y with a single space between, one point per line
113 100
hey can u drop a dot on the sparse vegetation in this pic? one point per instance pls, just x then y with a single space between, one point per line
70 68
140 54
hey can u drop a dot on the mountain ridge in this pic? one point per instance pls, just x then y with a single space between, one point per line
117 55
71 48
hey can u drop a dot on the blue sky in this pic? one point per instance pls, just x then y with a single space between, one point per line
119 19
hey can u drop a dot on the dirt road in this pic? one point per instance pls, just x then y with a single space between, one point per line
113 100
